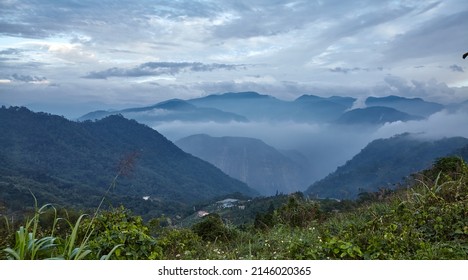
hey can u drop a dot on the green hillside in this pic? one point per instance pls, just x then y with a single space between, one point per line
72 164
384 163
426 220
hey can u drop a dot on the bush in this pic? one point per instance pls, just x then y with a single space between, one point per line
118 227
212 229
180 244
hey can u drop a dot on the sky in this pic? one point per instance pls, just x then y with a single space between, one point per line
72 57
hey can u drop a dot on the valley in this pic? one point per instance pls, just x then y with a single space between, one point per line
233 167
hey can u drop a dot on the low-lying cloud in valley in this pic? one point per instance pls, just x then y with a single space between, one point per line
439 125
327 146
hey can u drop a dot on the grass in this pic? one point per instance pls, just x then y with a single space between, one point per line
428 220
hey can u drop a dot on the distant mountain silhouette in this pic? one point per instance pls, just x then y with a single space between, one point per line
170 110
315 108
411 106
258 107
374 116
252 106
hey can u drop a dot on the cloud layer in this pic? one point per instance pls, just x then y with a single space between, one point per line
159 69
123 51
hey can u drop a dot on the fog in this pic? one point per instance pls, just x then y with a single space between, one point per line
326 146
439 125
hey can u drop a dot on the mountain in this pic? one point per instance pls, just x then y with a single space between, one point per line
315 108
374 115
170 110
412 106
73 163
384 162
252 161
252 105
259 107
462 152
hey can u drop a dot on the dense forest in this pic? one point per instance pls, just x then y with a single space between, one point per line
73 163
425 219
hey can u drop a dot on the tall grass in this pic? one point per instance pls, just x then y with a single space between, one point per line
30 245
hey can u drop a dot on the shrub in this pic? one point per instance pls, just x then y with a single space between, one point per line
118 229
212 229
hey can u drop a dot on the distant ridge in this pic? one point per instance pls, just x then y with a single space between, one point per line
170 110
411 106
375 115
252 106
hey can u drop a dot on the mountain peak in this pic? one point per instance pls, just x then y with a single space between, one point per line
174 104
238 95
391 98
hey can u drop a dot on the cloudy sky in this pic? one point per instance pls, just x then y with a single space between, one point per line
70 57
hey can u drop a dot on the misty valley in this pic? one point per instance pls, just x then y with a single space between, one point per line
238 175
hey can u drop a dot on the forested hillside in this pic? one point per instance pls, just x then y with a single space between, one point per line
425 220
72 164
384 163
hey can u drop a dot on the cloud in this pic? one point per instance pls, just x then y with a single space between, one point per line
431 90
439 125
438 36
456 68
315 141
345 70
28 79
11 51
161 68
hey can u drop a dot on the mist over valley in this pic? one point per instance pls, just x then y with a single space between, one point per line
326 131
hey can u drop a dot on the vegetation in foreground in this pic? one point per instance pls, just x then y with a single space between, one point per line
428 220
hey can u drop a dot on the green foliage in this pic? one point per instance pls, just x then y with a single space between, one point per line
384 163
29 245
297 212
180 244
70 163
428 220
212 229
118 227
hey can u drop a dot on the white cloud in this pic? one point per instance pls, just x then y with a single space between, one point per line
292 45
438 125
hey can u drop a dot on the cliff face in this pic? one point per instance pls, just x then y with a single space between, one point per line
262 167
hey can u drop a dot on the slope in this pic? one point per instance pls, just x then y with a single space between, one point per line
413 106
170 110
383 163
374 116
73 163
250 160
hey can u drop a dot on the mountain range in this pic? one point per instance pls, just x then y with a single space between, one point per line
250 160
252 106
73 163
376 115
411 106
383 163
170 110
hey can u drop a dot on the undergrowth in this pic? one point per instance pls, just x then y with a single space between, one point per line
427 220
